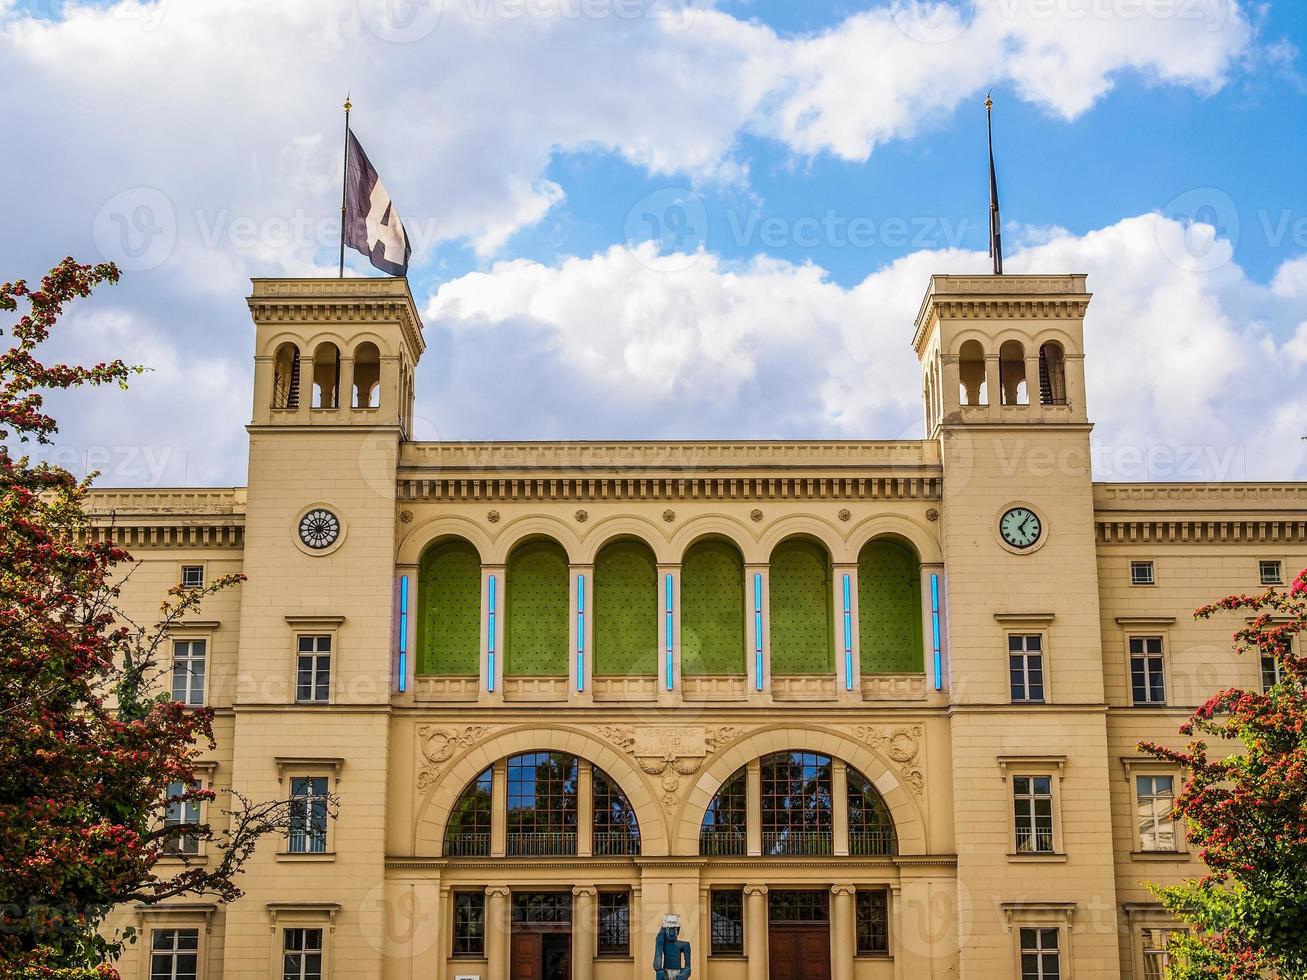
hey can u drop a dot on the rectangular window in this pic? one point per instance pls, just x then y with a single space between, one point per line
614 923
174 954
1156 957
192 576
302 954
1270 572
727 923
1141 573
188 672
1146 683
313 670
308 815
872 910
1271 674
1039 955
1025 655
1032 804
181 813
1156 796
469 923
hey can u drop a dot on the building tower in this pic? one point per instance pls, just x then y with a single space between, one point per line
333 399
1003 381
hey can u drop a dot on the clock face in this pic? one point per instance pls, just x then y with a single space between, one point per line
319 528
1020 527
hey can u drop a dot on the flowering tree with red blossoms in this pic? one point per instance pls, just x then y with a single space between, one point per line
89 743
1247 811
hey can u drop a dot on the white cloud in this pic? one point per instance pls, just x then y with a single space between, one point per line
767 348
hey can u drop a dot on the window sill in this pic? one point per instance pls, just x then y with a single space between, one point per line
184 861
311 857
1038 857
728 957
887 957
1179 856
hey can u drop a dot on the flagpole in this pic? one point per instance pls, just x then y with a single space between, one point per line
344 185
995 219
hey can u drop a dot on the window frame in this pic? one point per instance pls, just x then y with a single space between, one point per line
1262 566
883 892
1140 564
1156 818
317 636
321 950
1059 949
455 895
1025 653
1051 767
191 566
179 854
727 952
190 639
613 952
176 928
1145 654
1134 768
820 839
327 852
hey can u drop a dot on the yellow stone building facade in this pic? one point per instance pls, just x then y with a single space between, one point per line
847 709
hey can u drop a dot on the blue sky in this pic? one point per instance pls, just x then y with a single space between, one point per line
694 220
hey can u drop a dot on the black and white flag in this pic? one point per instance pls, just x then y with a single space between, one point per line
372 224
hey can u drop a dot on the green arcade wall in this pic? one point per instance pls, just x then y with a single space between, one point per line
449 609
536 628
889 608
626 610
800 609
712 610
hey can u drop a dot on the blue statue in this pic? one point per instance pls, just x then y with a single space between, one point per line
671 955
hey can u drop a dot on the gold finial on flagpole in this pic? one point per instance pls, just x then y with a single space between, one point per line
347 103
989 101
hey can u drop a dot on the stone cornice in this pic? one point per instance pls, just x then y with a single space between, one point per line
1006 297
338 301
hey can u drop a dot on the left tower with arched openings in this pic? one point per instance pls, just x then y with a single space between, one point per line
333 401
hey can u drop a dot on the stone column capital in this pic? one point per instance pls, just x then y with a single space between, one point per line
755 889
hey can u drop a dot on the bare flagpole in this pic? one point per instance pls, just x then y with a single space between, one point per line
344 185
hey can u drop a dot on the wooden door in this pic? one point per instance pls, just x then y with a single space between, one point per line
799 951
526 956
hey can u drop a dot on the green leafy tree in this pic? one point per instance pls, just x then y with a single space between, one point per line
1246 811
90 740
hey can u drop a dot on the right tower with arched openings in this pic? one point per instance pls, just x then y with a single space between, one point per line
1002 361
1002 349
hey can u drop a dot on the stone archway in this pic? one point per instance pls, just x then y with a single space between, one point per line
450 757
890 755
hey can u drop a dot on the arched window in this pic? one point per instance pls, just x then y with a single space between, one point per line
889 608
971 374
871 829
1052 374
537 610
723 830
616 830
542 804
800 608
797 810
542 811
367 376
326 376
468 832
712 609
449 609
1012 373
626 610
286 377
